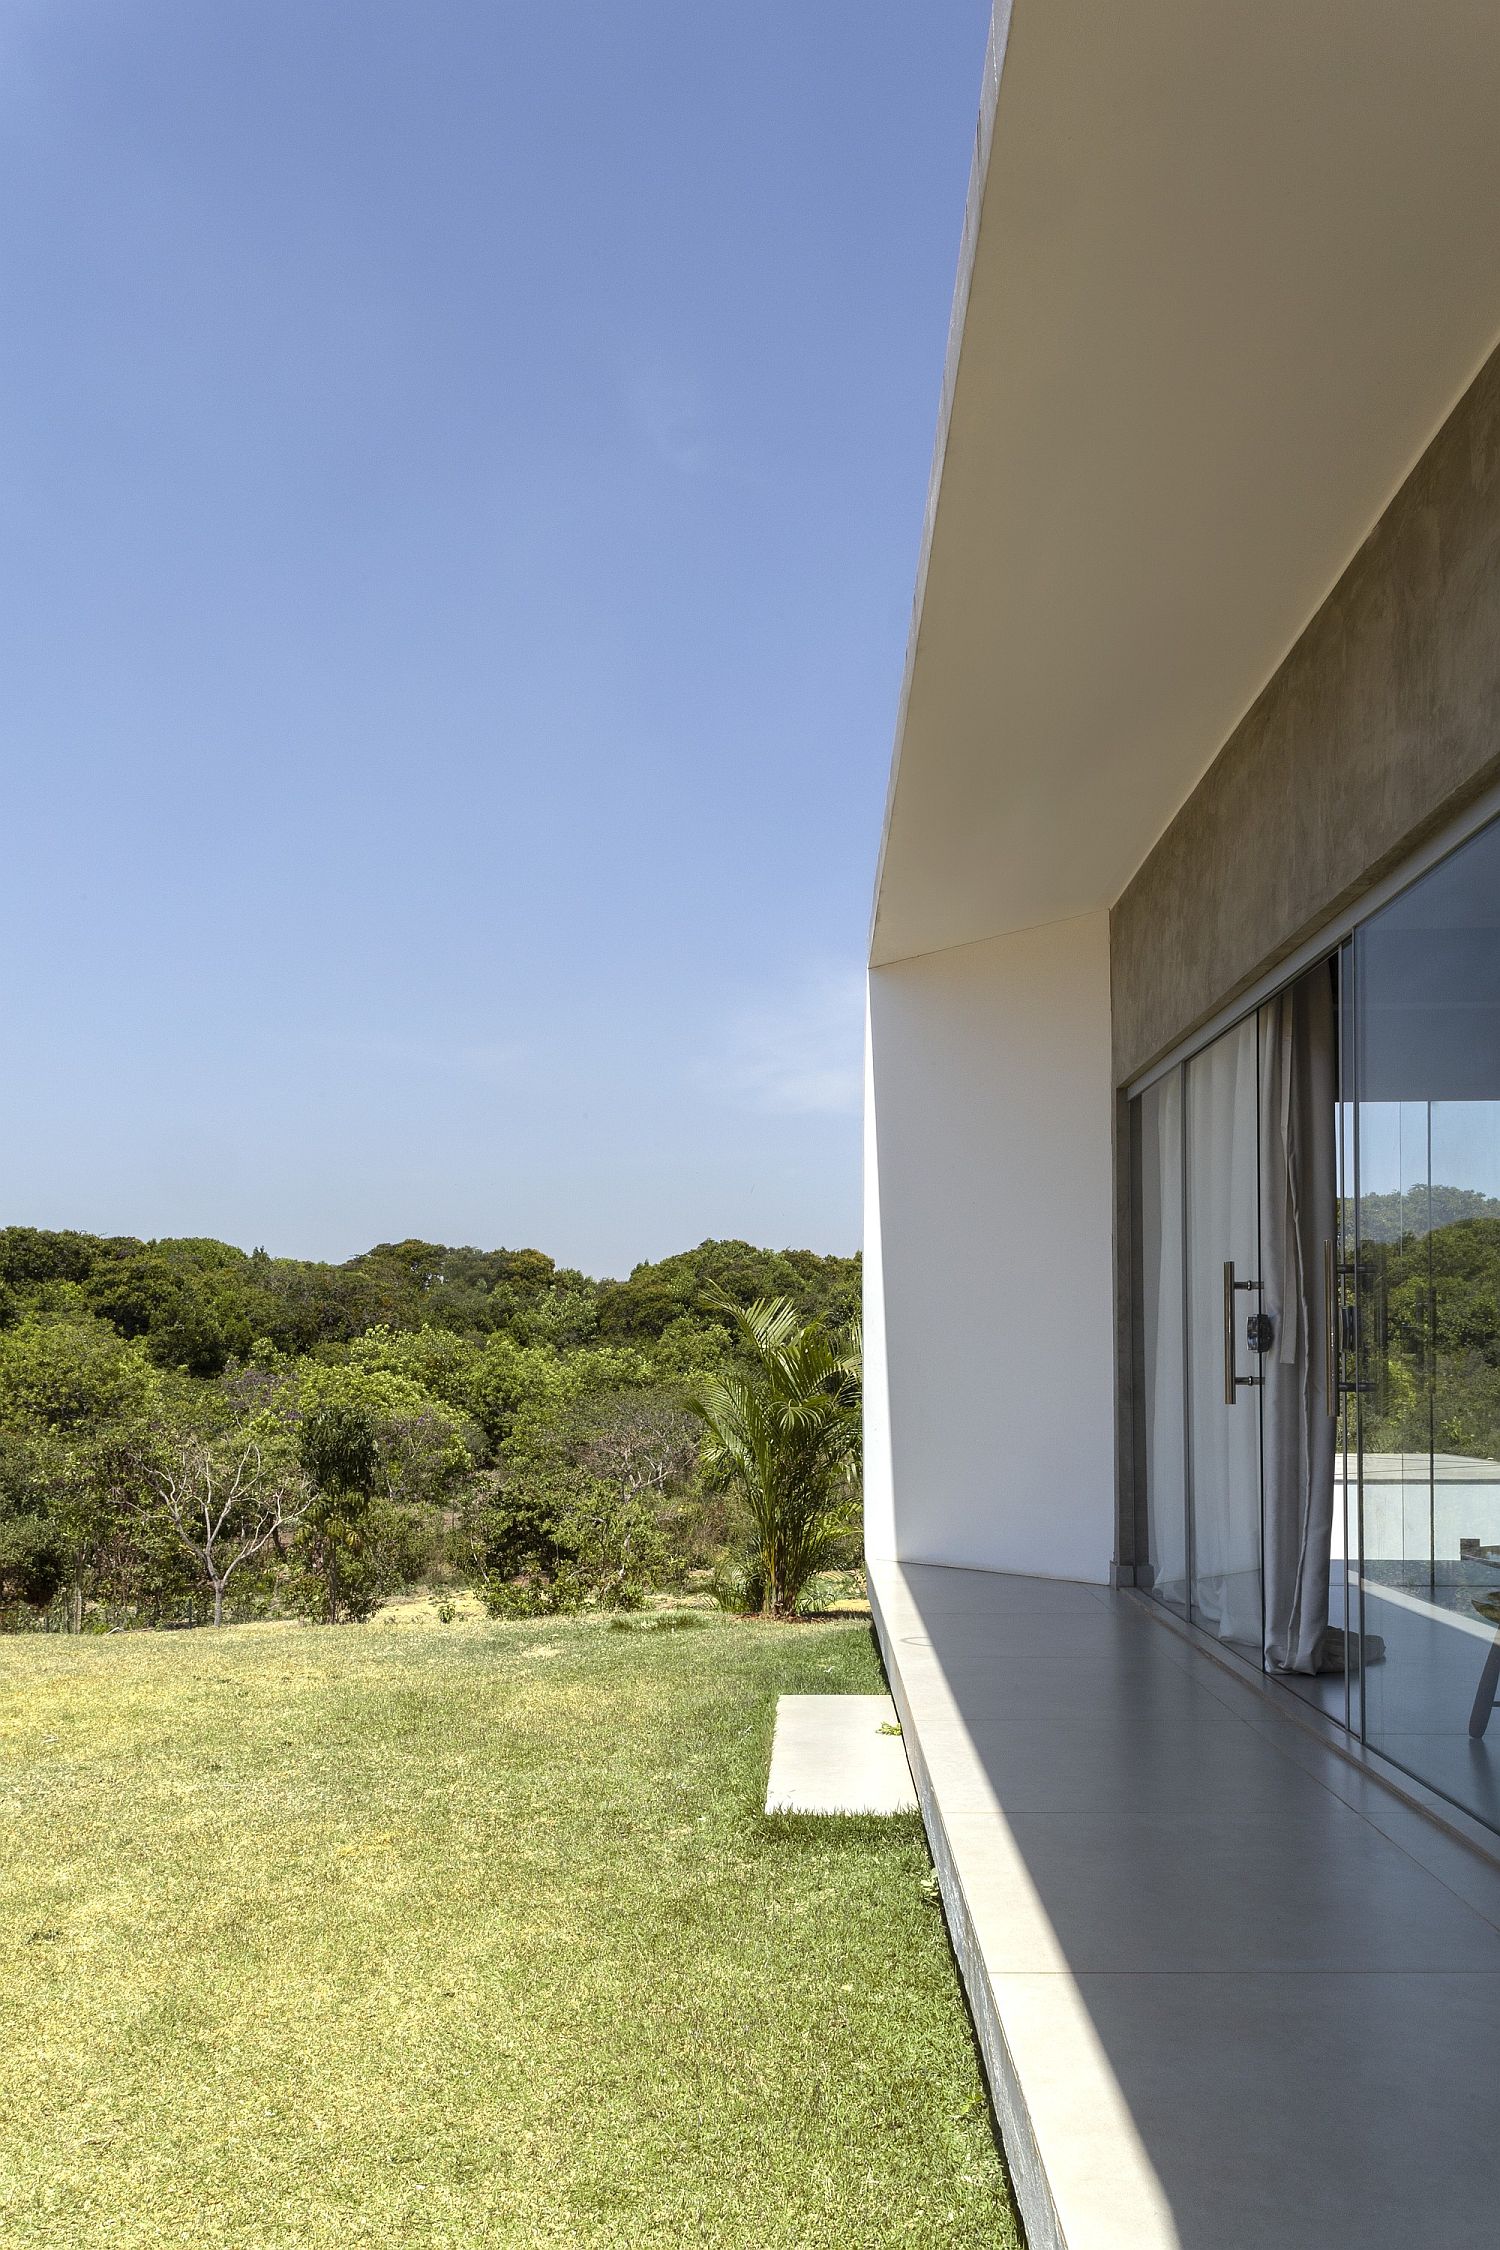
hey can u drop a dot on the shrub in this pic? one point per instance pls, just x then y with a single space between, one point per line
586 1500
33 1565
560 1595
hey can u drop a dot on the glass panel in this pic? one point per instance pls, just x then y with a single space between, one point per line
1427 1257
1344 1599
1223 1228
1162 1402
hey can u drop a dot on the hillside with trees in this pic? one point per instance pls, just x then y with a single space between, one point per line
194 1433
1429 1322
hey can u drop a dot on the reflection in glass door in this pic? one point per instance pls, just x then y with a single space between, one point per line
1424 1088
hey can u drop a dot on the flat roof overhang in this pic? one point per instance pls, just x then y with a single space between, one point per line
1226 270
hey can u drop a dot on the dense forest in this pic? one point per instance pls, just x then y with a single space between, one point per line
190 1432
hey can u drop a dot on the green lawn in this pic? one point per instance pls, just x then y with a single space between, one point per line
459 1936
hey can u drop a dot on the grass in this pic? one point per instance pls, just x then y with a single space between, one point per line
463 1936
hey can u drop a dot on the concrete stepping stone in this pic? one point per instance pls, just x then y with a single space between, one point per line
830 1755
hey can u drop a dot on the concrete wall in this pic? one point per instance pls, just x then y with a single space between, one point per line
988 1246
1380 725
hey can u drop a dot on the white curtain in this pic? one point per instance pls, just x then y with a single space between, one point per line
1161 1289
1223 1223
1261 1188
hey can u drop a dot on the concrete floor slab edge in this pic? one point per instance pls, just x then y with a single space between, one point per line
1023 2158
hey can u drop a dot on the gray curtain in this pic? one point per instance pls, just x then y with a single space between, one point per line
1299 1093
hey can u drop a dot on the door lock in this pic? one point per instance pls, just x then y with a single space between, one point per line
1260 1332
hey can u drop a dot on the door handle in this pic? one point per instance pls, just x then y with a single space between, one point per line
1233 1383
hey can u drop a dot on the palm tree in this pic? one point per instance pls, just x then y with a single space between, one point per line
784 1427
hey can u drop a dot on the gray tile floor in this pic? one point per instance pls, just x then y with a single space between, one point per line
1418 1698
1233 1991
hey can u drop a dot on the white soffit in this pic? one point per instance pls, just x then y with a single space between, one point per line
1228 265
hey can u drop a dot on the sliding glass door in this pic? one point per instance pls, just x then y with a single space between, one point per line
1318 1238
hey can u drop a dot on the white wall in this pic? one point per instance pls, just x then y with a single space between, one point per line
988 1255
879 1491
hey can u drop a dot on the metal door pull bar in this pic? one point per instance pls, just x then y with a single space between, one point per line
1233 1383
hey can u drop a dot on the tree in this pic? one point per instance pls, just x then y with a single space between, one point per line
424 1447
520 1390
783 1426
79 1398
70 1374
440 1363
32 1255
632 1449
339 1448
639 1442
33 1561
387 1459
578 1511
709 1283
184 1311
227 1499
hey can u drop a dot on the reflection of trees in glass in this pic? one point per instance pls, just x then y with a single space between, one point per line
1430 1314
1388 1218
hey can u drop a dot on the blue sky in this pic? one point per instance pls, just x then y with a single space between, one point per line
461 472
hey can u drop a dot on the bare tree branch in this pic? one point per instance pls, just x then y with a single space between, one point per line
225 1502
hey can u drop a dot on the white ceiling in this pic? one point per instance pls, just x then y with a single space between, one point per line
1229 265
